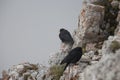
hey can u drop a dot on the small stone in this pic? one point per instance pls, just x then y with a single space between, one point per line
96 58
115 3
93 62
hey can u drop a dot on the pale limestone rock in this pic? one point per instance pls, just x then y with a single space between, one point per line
115 3
106 46
20 71
74 72
106 69
90 54
108 66
57 58
5 75
71 73
96 57
90 19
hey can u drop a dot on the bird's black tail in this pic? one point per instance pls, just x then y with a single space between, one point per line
65 66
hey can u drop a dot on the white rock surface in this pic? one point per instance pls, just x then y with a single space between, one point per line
90 19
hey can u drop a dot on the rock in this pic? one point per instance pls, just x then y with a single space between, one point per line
96 57
65 47
5 75
71 73
106 69
106 49
90 20
115 3
101 51
108 66
90 54
23 71
93 62
85 58
88 29
117 31
57 58
43 72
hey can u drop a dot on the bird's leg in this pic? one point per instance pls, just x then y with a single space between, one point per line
72 70
69 72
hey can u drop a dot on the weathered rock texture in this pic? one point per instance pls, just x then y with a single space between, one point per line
57 58
108 66
24 71
117 31
98 34
94 28
90 20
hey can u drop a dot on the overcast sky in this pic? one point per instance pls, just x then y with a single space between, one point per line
29 29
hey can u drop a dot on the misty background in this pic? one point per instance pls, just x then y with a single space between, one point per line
29 29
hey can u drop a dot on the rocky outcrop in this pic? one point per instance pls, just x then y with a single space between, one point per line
92 35
90 20
24 71
57 58
98 33
117 31
108 66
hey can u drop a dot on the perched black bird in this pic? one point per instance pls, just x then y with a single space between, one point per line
73 56
65 36
66 39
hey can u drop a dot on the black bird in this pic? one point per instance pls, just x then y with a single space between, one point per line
65 36
73 56
66 39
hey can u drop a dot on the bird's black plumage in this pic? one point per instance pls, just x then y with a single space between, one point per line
65 36
73 56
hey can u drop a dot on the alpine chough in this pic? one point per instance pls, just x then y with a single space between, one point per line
65 36
73 56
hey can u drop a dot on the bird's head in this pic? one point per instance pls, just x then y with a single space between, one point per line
62 29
